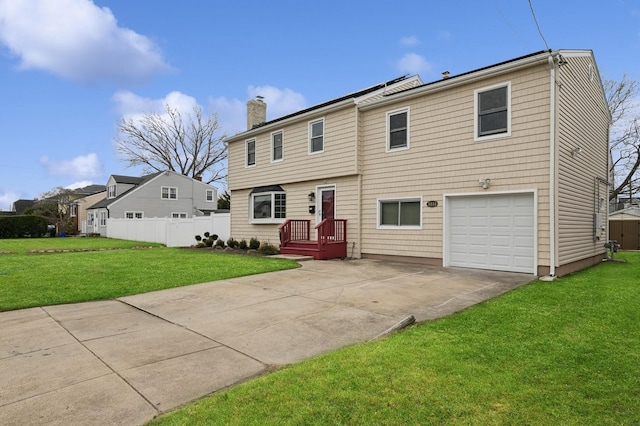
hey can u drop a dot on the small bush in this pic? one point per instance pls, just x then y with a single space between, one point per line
201 245
209 242
231 243
254 243
267 249
242 245
198 238
220 243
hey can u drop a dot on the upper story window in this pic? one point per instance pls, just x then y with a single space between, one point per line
398 129
277 146
268 207
209 196
250 148
169 193
400 213
493 111
111 191
316 136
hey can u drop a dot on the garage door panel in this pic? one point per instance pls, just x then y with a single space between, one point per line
491 232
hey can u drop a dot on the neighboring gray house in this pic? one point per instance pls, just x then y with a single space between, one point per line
163 194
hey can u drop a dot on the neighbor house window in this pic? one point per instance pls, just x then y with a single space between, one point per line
493 111
178 215
169 193
316 136
74 210
133 215
111 191
398 129
103 218
268 207
277 145
251 152
209 196
399 213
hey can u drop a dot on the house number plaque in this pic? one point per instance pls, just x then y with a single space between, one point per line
432 204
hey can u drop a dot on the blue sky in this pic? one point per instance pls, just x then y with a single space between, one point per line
70 70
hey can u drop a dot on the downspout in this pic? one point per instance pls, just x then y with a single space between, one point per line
552 169
359 191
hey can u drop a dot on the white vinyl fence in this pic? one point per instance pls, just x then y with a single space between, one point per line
170 232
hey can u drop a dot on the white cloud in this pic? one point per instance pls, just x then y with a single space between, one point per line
130 105
7 198
80 184
83 166
444 36
77 40
279 101
232 114
409 41
412 63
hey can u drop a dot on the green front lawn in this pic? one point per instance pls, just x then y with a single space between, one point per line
28 279
559 353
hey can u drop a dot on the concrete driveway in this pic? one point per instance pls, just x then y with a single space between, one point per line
124 361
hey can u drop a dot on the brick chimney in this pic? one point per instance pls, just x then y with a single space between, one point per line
256 112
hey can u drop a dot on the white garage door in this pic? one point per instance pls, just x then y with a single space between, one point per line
491 232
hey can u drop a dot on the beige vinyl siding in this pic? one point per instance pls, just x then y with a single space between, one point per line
298 208
583 122
444 159
338 158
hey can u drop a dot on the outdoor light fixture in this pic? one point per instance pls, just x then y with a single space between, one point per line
576 151
484 183
312 197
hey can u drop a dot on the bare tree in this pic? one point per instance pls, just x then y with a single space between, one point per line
55 206
189 146
623 97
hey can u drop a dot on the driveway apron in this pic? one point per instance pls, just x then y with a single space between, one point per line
124 361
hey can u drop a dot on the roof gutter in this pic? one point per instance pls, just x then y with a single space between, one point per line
278 124
460 80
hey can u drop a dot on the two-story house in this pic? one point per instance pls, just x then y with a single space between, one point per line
502 168
164 194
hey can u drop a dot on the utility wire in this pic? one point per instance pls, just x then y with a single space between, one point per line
537 25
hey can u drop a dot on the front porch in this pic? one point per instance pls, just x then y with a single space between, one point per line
330 242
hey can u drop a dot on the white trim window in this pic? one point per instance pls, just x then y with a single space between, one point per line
133 215
178 215
277 146
73 210
111 191
210 196
250 153
103 218
398 129
405 213
169 193
492 111
316 136
268 207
